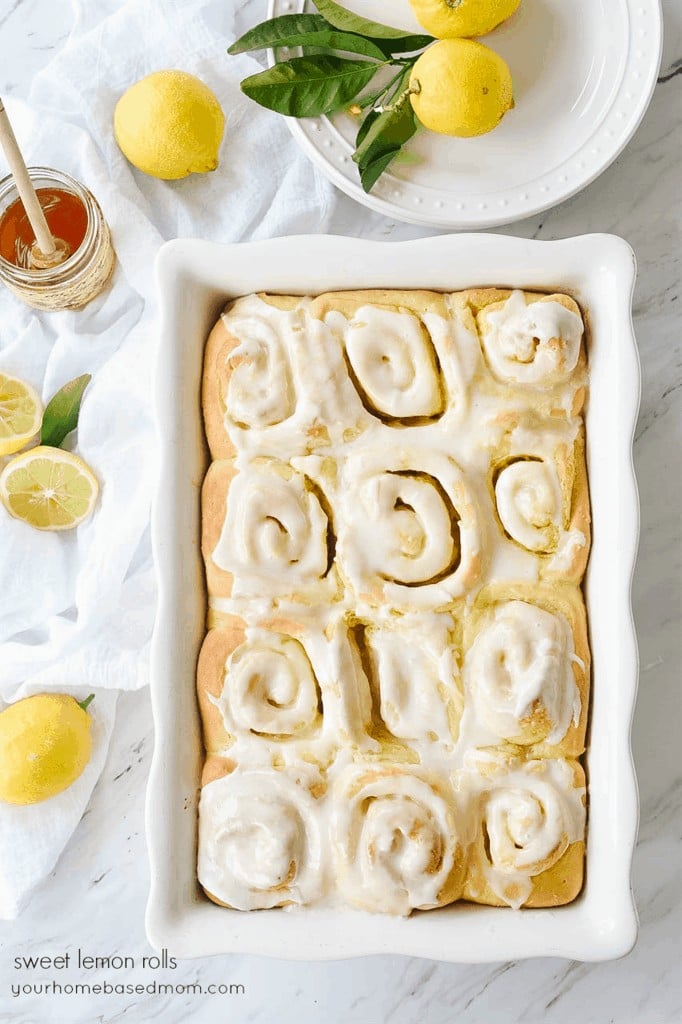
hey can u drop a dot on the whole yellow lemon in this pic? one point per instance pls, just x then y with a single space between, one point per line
449 19
169 125
460 87
45 744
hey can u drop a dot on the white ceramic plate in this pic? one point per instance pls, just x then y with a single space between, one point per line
195 281
583 73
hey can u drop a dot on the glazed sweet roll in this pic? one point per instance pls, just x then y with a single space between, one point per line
410 354
541 499
248 380
259 838
265 532
414 678
526 668
529 845
532 340
409 534
396 840
254 682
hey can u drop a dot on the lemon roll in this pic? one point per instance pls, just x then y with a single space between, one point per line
518 674
259 839
529 503
396 841
394 364
533 342
530 844
410 535
416 677
266 523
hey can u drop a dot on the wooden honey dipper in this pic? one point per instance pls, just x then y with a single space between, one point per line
47 251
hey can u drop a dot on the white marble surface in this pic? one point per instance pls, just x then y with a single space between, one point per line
95 897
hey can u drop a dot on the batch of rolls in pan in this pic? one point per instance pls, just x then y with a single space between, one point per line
394 684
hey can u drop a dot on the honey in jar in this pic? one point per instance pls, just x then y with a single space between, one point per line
66 218
76 221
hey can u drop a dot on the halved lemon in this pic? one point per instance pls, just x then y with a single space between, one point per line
21 413
48 488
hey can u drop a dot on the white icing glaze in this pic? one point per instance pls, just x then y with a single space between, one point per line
532 344
417 678
395 840
529 500
275 530
408 532
259 839
520 663
260 389
413 520
570 542
393 360
271 687
531 814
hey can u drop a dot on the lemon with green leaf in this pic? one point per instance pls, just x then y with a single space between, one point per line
45 745
460 87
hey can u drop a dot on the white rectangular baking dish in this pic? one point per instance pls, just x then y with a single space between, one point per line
195 280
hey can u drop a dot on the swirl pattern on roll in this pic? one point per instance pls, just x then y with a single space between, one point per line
526 829
259 840
394 364
518 674
409 534
260 391
275 528
535 344
529 503
270 688
396 841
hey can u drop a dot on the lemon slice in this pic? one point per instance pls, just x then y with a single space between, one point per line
48 488
21 413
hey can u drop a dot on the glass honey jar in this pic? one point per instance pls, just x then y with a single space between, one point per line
75 218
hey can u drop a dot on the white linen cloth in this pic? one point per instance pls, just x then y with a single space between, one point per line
77 608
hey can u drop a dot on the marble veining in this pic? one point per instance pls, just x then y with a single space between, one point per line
95 897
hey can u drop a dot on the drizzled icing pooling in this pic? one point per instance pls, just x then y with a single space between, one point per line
535 343
391 467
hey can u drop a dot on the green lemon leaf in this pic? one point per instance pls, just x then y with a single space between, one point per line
309 86
269 33
345 20
370 174
61 412
405 44
274 34
364 128
384 131
382 135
